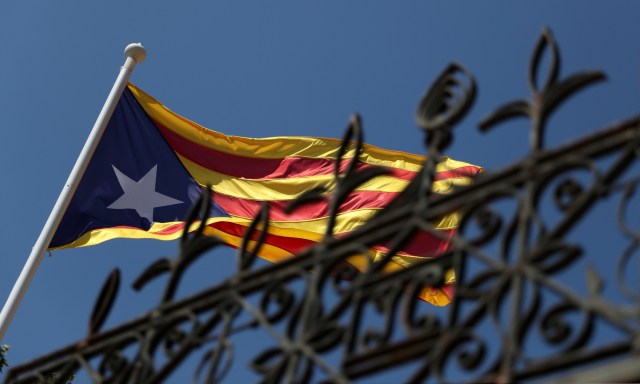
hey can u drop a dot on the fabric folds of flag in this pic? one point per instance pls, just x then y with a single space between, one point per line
151 163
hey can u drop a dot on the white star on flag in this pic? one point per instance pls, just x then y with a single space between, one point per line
141 195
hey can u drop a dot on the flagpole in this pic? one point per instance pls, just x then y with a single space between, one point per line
134 53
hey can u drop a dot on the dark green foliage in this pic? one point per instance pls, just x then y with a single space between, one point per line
4 349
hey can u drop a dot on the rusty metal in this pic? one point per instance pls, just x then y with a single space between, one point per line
509 262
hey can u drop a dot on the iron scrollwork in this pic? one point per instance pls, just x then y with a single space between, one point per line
508 255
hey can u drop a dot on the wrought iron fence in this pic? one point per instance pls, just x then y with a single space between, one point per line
332 323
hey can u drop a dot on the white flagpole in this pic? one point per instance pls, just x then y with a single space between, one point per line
135 53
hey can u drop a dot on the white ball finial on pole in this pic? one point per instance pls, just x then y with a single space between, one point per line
136 51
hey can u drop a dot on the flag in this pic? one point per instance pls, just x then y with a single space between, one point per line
151 164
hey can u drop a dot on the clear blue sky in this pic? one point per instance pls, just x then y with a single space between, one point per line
257 69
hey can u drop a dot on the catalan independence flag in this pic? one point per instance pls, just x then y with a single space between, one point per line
151 164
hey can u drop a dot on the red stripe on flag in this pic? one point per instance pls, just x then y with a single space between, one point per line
290 244
170 229
258 168
466 171
425 243
313 210
264 168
